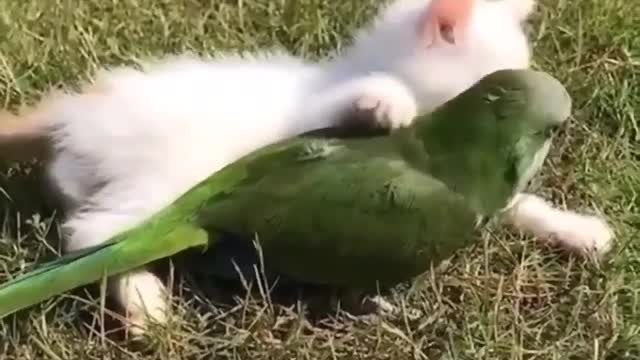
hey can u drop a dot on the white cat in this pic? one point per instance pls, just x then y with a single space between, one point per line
133 141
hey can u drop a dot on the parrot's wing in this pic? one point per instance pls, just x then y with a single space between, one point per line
90 265
344 216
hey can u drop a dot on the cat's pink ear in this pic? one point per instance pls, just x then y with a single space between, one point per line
444 21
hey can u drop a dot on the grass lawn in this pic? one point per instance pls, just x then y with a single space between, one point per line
508 298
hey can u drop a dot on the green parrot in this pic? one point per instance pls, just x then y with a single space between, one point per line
346 211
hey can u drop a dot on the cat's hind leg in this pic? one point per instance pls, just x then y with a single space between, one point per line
142 296
569 229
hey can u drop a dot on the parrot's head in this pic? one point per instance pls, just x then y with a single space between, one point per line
489 142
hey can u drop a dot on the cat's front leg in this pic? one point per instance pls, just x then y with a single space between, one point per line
570 230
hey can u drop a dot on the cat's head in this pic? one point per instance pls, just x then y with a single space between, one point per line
442 47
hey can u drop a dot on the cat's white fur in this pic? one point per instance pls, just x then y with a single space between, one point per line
134 141
571 230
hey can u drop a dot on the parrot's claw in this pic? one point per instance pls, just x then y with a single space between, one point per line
383 307
357 303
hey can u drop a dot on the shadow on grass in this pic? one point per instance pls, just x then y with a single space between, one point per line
193 281
24 191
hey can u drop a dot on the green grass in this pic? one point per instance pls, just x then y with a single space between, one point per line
509 298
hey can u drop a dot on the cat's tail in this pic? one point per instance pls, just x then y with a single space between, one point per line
25 136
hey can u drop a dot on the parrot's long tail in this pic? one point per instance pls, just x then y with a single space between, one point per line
92 264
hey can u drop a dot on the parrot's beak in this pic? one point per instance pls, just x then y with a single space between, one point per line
549 98
565 108
534 166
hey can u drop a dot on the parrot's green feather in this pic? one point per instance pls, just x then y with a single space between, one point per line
354 211
305 222
90 265
51 265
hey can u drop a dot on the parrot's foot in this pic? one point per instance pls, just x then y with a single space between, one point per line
385 102
572 231
386 308
382 305
361 305
357 303
143 298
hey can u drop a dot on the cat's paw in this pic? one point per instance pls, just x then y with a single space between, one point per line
143 297
565 228
385 102
138 321
583 233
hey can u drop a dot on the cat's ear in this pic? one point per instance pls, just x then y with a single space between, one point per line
444 21
521 8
